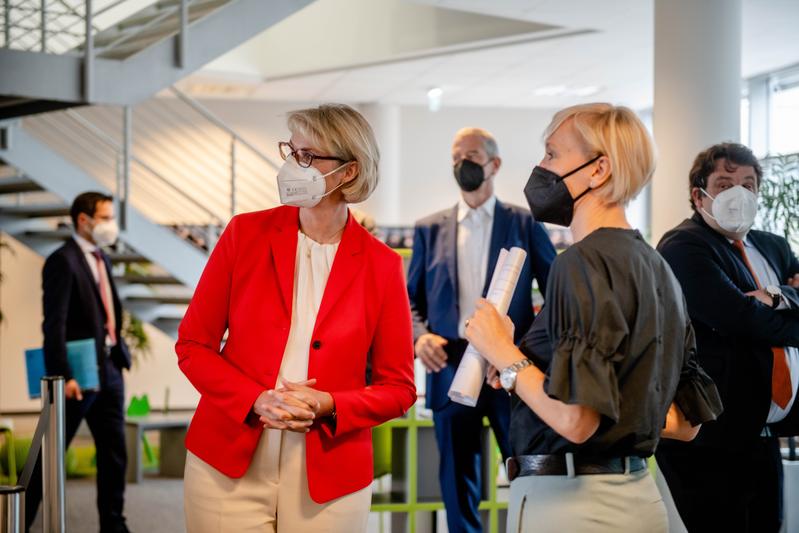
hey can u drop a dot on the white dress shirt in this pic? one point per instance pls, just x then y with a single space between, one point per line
474 240
767 276
88 253
312 268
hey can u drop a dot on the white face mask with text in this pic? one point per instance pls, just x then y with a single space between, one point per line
302 187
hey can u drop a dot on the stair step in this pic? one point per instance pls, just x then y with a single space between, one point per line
148 280
35 211
17 184
61 234
157 9
167 26
127 258
163 299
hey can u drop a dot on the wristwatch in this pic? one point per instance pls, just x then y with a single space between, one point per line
507 377
776 295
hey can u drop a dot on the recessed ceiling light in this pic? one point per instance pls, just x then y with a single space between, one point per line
586 90
550 90
434 98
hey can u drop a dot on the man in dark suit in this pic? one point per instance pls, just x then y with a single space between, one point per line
741 289
454 255
81 302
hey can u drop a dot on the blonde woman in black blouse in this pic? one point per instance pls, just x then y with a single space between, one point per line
608 368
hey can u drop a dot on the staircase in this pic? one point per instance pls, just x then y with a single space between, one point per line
174 195
73 52
167 231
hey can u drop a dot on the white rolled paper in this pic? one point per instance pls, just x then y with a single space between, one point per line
468 380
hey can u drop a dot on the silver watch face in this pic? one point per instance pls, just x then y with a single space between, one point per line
507 378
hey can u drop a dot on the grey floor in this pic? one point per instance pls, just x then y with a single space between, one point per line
153 506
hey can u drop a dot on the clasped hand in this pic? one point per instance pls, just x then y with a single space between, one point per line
294 406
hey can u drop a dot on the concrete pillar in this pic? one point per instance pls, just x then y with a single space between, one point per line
697 95
384 204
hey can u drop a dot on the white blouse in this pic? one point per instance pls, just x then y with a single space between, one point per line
312 268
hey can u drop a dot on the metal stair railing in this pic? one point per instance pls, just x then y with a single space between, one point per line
192 180
49 438
49 26
119 149
241 169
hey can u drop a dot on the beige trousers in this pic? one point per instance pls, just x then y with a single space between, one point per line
272 496
603 503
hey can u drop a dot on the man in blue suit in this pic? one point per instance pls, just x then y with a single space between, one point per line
80 301
454 255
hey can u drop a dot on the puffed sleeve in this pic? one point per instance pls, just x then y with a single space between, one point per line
586 328
696 396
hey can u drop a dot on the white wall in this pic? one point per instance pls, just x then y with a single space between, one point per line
21 302
427 181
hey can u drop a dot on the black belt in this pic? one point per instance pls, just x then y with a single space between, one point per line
559 465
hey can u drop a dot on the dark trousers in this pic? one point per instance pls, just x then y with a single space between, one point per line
458 433
720 489
104 412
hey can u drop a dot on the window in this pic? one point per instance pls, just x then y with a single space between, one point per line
784 134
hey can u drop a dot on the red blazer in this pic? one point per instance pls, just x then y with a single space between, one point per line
247 289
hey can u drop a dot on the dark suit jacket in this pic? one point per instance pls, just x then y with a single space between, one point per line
73 309
734 332
433 278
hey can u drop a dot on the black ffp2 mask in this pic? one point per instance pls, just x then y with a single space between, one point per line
549 198
469 175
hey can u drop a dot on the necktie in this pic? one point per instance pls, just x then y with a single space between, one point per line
105 296
781 390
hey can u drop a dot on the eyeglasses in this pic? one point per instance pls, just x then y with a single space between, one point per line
304 158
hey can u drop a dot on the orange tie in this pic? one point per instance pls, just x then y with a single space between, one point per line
110 325
781 389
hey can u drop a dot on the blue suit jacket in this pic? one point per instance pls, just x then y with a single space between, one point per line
433 278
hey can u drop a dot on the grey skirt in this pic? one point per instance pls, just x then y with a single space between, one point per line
592 503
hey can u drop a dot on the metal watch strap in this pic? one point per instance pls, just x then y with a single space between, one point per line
515 368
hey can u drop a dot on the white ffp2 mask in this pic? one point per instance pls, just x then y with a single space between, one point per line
734 209
300 186
105 233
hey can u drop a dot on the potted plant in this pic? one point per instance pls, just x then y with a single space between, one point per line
779 197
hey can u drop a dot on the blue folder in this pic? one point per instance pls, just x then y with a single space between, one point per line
82 358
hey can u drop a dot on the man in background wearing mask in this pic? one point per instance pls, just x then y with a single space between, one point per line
81 302
454 255
741 289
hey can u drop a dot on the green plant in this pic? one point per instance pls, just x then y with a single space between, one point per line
135 337
779 196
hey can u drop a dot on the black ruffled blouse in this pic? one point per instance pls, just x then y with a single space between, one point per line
614 335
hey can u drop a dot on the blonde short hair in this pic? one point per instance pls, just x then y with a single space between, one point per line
341 131
489 142
618 133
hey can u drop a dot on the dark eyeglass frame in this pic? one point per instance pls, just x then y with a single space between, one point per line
291 152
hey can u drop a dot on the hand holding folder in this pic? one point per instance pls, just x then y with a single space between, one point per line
82 358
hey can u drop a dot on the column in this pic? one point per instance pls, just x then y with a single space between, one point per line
697 95
384 204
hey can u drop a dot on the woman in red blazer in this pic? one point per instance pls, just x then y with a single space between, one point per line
281 439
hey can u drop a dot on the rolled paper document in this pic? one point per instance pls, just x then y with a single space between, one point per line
471 371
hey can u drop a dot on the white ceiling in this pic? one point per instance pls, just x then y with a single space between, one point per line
614 54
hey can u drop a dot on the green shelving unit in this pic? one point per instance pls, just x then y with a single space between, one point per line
404 499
